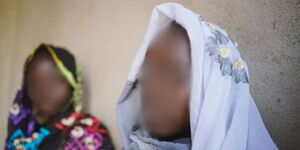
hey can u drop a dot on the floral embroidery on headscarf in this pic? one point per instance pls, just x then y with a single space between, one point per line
85 131
217 46
18 111
19 141
239 73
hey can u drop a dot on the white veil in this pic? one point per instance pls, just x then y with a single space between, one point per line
223 114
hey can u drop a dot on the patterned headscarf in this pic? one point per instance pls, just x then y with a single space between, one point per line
70 128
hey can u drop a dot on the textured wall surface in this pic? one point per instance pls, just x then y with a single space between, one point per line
105 35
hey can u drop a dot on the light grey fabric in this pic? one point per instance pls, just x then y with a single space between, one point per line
223 115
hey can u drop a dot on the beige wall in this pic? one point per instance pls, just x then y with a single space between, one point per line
105 35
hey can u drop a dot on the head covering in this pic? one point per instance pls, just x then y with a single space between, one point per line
66 64
68 127
223 114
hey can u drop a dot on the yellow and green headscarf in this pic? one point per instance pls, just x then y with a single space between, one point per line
67 65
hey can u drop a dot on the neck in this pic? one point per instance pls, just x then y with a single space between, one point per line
41 117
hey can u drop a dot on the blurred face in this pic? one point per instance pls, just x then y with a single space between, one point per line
47 89
165 84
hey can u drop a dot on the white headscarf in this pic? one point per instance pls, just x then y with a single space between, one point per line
223 115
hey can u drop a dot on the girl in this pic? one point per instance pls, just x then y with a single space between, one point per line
46 113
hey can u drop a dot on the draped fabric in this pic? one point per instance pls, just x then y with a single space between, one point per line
223 114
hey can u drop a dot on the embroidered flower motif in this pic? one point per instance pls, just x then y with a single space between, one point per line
19 147
89 142
79 119
68 121
212 46
28 140
224 52
77 132
222 39
215 41
212 26
87 121
35 135
18 140
218 48
238 64
224 61
93 140
239 73
86 132
15 109
18 113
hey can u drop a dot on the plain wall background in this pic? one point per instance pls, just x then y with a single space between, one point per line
104 35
